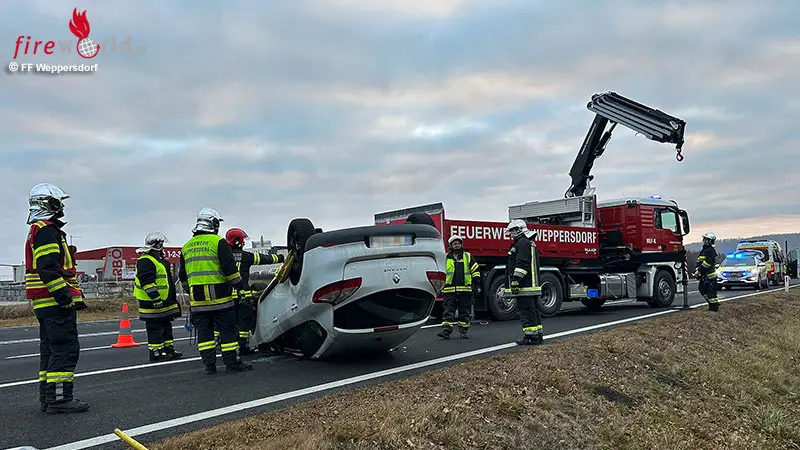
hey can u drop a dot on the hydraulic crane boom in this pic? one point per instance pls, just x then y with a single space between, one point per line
612 107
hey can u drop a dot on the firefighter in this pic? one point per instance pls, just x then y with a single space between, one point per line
56 296
522 273
461 280
705 271
245 308
208 273
155 291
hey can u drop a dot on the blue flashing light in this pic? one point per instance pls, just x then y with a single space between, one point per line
656 196
593 293
745 273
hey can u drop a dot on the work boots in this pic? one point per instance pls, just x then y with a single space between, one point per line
171 354
531 339
211 369
445 333
69 406
238 366
713 306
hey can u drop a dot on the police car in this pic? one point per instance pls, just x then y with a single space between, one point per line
743 269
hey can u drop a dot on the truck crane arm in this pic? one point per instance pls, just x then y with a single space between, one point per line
612 107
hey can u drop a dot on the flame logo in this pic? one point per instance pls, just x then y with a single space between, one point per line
79 26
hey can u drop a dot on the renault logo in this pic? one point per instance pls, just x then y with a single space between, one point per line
396 278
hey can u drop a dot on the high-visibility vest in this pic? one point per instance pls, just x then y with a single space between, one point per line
146 309
203 269
470 270
39 293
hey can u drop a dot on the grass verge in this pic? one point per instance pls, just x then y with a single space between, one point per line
97 309
695 380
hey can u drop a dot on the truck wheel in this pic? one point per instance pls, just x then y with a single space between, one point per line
420 218
500 307
552 295
299 232
664 289
593 304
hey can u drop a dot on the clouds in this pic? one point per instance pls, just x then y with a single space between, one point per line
338 109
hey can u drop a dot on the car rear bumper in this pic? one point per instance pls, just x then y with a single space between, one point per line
343 342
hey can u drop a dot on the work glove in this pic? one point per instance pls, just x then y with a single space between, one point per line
515 287
158 304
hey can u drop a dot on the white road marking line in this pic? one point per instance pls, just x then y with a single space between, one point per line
179 421
100 333
104 347
112 370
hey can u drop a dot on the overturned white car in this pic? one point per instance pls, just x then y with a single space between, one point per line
350 291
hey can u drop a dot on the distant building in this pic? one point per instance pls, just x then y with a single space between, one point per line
117 263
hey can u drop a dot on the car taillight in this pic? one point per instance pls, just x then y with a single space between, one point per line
337 292
437 280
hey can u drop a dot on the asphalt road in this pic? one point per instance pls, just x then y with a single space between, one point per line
163 399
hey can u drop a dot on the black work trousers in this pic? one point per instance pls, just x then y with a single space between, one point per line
457 304
245 319
708 288
223 320
529 316
159 335
58 355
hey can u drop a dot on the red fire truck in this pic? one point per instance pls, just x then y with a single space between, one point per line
629 248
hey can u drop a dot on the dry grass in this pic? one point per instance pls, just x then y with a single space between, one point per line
97 309
694 380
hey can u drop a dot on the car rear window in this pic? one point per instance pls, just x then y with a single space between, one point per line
385 308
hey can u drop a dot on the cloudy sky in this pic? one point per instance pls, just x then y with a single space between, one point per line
338 109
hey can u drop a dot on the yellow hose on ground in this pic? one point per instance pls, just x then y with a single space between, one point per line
129 440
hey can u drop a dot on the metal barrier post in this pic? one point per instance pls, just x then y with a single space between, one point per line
685 283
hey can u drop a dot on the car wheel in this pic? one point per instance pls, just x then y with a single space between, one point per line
758 284
664 293
299 232
420 218
552 295
500 307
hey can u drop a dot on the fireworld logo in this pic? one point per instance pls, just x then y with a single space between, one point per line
79 26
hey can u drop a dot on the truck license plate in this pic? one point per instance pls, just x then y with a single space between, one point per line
390 241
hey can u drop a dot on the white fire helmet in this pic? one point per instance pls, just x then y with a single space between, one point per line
153 241
454 238
517 227
45 202
208 220
712 238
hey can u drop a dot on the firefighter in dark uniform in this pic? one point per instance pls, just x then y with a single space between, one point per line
208 273
705 271
462 278
55 295
522 273
245 305
154 289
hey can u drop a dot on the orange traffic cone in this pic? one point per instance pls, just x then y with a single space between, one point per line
125 338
